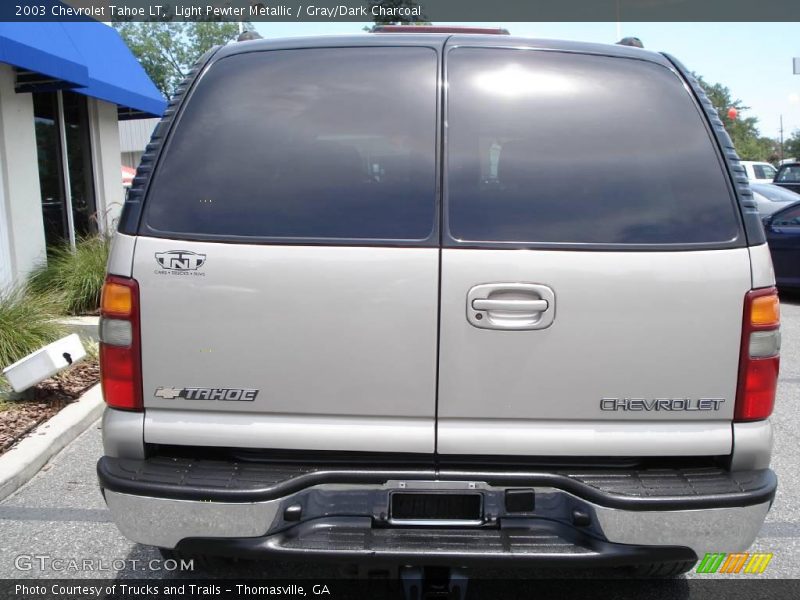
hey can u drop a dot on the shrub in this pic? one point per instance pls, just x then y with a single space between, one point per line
27 322
75 277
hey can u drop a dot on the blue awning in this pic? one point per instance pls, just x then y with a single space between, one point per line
114 73
90 57
44 48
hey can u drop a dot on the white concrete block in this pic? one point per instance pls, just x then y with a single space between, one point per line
45 362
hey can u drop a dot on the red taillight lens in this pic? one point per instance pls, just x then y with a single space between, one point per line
119 378
759 359
120 355
758 393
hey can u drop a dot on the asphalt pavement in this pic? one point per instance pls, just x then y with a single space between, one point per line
61 515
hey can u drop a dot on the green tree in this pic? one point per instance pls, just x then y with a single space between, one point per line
791 146
167 50
749 143
400 19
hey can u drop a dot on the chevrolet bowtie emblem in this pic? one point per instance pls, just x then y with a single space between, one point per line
169 393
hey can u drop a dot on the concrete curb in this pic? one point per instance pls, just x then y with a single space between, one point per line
86 327
25 459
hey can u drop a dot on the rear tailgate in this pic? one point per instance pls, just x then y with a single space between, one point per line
594 269
288 260
641 358
299 347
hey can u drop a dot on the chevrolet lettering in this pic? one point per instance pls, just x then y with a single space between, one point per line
673 404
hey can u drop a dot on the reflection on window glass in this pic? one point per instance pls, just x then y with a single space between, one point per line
790 218
51 172
318 143
51 182
789 174
80 163
775 193
764 171
547 147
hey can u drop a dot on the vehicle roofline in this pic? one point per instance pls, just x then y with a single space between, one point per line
438 39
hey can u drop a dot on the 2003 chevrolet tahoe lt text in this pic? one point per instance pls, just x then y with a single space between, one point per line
440 299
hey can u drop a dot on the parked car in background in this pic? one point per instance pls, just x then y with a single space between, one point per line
772 198
783 237
789 176
762 172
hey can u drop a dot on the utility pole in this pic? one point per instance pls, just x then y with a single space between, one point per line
795 71
781 146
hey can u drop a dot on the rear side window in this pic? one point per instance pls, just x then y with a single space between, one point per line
789 174
788 218
333 143
764 171
556 148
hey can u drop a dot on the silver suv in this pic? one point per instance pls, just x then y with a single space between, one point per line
440 299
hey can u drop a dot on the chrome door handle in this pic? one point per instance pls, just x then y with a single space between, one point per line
526 306
511 306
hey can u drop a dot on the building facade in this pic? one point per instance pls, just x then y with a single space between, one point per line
63 89
134 135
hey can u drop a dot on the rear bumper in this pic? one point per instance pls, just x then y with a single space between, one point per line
356 539
600 518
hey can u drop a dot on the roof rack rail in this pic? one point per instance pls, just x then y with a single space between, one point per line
437 29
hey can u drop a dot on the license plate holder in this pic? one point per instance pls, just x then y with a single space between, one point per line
426 508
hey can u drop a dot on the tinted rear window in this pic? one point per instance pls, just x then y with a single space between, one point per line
789 174
547 147
318 143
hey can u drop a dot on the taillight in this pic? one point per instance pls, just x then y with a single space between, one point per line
759 355
120 356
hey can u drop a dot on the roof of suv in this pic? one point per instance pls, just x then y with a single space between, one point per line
438 39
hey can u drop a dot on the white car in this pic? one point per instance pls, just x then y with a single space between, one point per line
761 172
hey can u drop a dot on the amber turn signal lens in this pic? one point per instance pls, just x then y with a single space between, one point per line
116 300
765 310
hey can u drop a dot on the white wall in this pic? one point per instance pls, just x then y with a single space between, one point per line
20 193
107 163
22 241
6 276
134 134
131 159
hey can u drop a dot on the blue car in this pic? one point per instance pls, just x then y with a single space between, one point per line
783 236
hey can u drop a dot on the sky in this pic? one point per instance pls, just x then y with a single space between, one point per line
754 60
